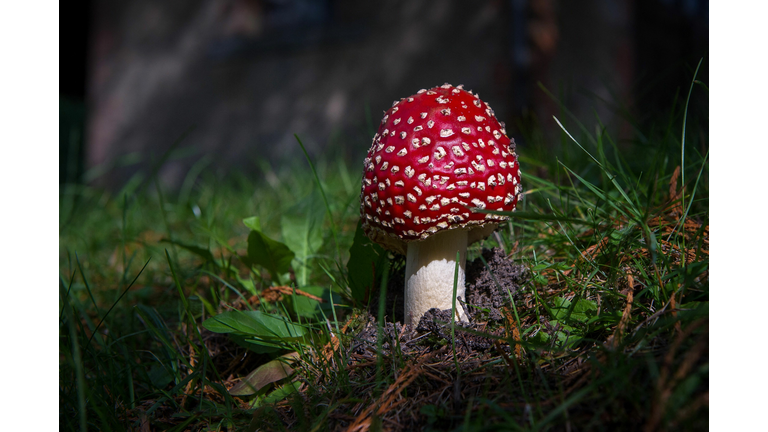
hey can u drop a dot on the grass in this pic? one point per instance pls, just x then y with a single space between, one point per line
611 333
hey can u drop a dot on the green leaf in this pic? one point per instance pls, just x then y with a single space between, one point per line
366 259
278 394
540 338
237 322
253 223
565 333
259 348
258 327
302 232
267 373
582 311
270 254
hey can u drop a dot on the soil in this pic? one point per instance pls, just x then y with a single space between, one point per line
491 282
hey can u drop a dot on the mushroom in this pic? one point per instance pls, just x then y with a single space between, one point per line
436 155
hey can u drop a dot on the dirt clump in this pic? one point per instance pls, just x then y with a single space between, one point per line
490 286
491 281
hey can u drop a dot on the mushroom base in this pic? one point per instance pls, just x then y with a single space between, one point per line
429 273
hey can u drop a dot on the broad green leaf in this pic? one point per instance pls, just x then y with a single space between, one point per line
238 322
253 223
270 254
366 259
565 333
267 373
540 338
302 232
257 325
582 311
278 394
259 348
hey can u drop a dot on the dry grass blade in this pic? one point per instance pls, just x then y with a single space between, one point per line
614 340
290 291
515 333
675 194
330 348
192 362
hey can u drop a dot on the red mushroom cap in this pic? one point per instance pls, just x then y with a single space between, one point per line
435 154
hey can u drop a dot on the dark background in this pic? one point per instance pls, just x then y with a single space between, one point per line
237 78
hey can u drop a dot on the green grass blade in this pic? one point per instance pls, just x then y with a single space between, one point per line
85 281
380 325
325 198
685 123
611 177
116 302
77 361
454 315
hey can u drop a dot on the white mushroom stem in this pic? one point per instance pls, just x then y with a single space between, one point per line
429 272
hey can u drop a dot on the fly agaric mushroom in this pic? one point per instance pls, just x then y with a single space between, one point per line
437 154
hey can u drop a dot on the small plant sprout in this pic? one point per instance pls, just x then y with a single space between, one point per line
436 155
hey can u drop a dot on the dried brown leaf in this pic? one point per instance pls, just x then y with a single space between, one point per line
267 373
